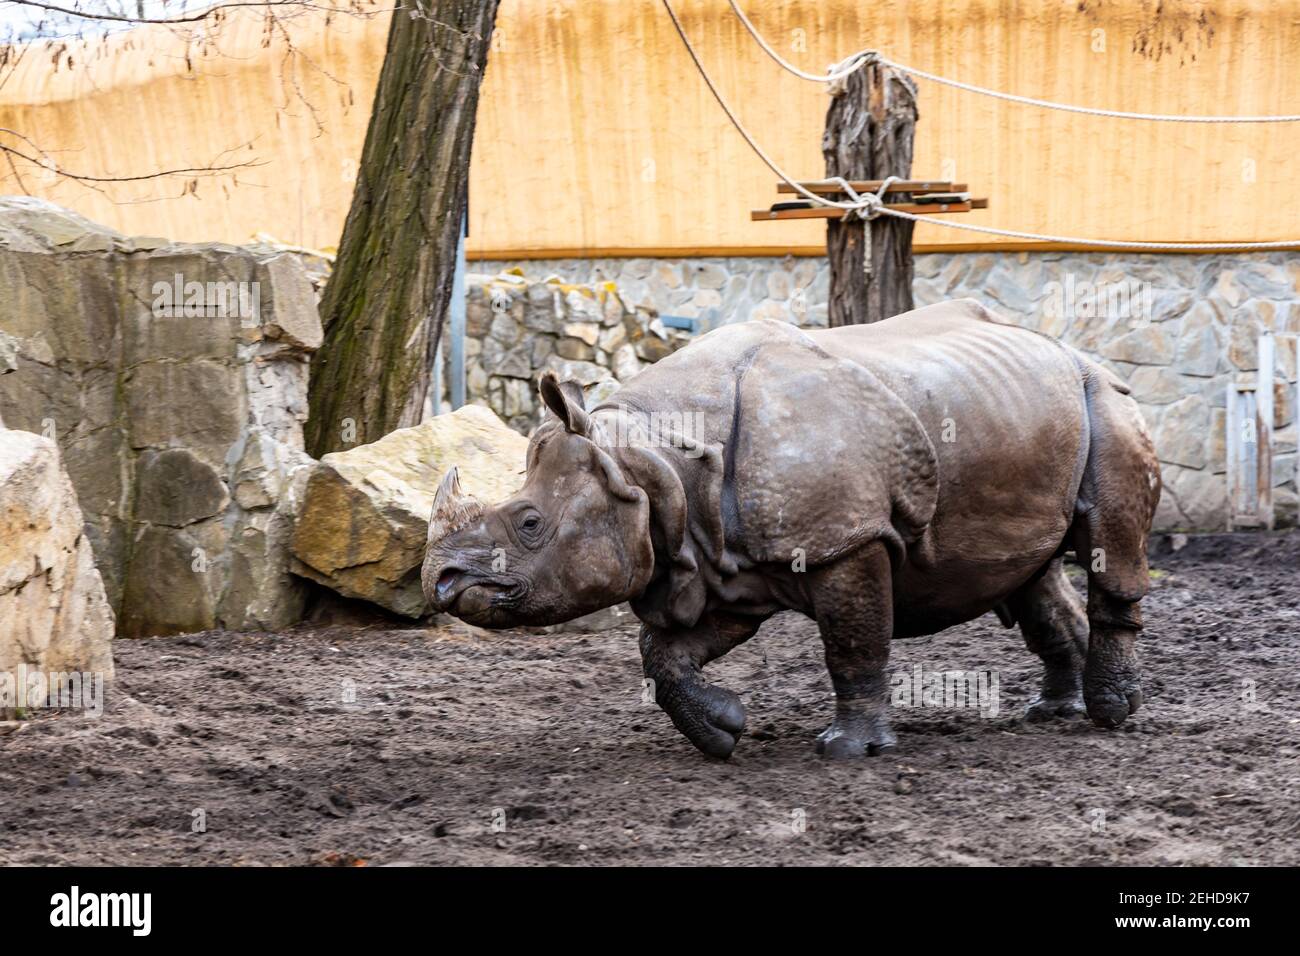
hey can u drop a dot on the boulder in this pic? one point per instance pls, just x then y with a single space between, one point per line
8 353
364 518
174 378
54 616
8 359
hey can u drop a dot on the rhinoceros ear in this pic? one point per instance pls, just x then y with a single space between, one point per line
566 401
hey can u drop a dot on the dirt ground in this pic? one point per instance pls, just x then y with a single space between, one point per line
453 736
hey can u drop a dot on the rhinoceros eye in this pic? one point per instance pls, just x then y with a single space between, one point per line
530 526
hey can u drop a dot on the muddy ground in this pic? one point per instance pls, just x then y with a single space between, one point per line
450 733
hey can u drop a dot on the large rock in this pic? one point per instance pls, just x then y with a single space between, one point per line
181 427
8 359
365 514
54 616
8 353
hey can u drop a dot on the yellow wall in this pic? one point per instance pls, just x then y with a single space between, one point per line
596 136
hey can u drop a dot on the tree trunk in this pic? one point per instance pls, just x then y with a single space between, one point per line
384 304
869 129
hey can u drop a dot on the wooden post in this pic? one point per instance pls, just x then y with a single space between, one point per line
869 130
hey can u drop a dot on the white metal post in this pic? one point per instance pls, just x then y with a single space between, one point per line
456 338
1264 409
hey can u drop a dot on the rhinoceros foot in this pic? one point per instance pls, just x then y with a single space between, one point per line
1110 706
712 718
1055 708
1111 685
856 732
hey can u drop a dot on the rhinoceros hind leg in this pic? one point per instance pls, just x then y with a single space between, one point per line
1112 685
710 717
1055 627
853 603
1117 500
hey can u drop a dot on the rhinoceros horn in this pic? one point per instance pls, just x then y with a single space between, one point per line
452 509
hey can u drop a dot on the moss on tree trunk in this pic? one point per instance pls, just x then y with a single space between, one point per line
384 304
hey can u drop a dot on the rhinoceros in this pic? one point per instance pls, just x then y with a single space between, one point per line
887 480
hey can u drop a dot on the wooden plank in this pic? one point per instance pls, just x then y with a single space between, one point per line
830 212
826 187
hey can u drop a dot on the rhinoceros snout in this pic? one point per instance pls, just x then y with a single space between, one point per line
446 581
465 590
447 587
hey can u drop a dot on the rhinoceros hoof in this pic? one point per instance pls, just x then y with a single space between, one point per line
847 739
1055 708
1111 699
1109 709
712 718
1111 686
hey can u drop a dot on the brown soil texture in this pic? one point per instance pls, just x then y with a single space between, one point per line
512 748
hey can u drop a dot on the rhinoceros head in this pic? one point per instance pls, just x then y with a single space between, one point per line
575 539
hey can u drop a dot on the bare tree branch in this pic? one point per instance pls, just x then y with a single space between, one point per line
188 18
47 163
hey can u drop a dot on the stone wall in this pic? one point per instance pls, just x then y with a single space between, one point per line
593 333
180 422
1178 328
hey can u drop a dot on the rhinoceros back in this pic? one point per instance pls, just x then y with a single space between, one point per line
1005 409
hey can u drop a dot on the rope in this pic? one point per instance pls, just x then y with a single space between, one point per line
740 127
1108 243
861 59
873 205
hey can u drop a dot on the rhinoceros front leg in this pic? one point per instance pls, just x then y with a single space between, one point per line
711 717
853 604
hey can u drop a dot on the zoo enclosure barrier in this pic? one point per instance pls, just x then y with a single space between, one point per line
1251 444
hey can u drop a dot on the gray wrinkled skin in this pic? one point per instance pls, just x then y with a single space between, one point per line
888 480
